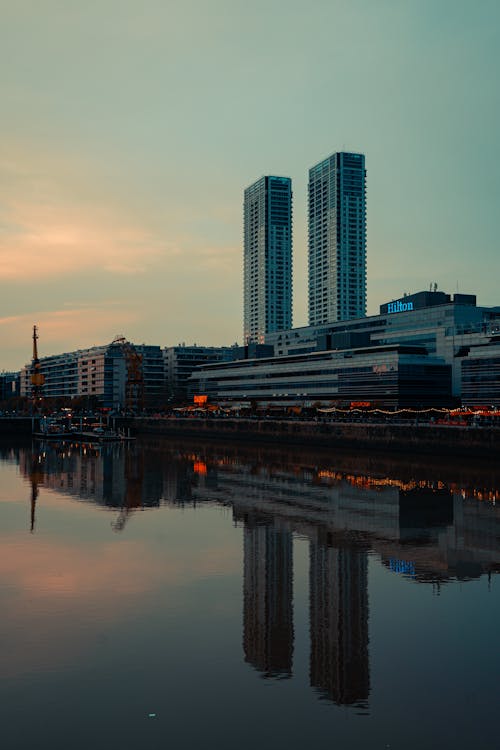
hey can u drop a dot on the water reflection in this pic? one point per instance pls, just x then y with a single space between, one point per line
338 585
267 596
427 524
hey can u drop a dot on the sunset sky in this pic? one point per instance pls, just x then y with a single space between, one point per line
129 131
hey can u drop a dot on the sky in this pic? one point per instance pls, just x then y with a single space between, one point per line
130 130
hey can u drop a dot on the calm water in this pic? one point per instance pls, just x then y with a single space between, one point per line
168 595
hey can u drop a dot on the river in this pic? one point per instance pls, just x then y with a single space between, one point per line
170 594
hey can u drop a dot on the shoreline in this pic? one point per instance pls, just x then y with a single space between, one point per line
423 439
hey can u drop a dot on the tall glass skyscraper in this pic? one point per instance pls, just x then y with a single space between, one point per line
337 239
267 258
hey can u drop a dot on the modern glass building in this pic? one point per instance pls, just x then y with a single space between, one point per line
337 239
409 354
387 376
267 258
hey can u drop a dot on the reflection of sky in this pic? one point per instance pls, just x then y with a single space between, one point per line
102 628
129 133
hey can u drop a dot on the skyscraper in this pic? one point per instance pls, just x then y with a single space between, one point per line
267 257
337 239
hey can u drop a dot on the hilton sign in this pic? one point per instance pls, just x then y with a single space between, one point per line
395 307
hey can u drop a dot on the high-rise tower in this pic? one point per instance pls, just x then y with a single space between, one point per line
267 258
337 239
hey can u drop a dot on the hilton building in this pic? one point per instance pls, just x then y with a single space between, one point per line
411 354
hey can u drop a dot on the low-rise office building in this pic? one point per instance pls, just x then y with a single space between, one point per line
180 361
445 326
387 376
99 374
409 354
481 376
9 385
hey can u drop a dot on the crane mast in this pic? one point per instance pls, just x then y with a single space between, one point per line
37 377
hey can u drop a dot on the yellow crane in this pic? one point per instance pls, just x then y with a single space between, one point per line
37 378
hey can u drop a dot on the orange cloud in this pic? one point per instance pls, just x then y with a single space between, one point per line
57 219
83 326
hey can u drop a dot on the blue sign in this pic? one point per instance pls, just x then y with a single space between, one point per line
395 307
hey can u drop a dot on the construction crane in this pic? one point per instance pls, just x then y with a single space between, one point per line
134 384
37 378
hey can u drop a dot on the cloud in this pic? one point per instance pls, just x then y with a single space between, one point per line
57 220
84 326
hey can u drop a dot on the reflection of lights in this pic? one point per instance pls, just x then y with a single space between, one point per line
200 467
406 567
330 477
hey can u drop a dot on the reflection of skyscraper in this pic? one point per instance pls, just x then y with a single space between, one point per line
338 590
267 598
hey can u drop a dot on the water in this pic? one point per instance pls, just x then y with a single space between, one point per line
187 596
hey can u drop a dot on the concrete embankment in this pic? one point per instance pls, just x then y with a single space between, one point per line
400 438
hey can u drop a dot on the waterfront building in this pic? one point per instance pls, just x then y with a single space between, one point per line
181 360
267 257
9 385
403 356
389 376
446 326
153 373
481 376
98 374
337 238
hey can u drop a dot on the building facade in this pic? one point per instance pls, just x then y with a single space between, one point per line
337 238
446 327
481 376
99 374
387 376
267 257
180 361
9 385
411 354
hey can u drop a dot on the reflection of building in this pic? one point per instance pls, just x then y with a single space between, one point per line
338 591
267 597
424 530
